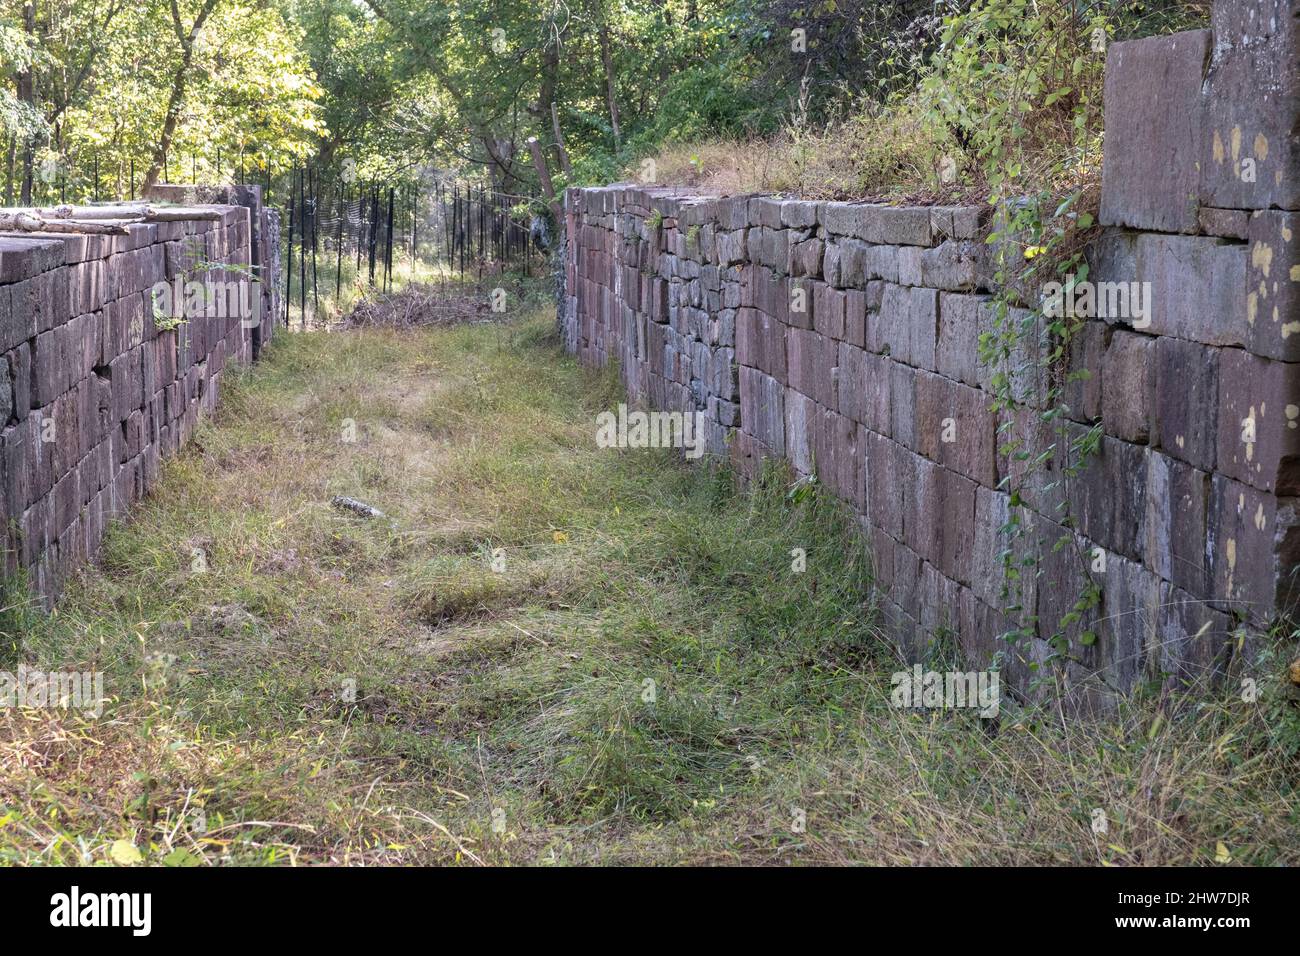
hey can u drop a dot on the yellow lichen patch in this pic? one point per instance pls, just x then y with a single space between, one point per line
1218 148
1261 257
1295 273
1252 307
1236 148
1261 147
1260 521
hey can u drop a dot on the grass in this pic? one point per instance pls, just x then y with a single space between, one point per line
884 153
643 680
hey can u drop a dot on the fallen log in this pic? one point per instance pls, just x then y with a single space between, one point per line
125 210
26 222
180 214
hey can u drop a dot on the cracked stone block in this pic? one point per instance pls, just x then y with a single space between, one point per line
762 408
1177 504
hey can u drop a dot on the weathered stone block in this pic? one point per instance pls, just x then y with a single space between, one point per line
1082 391
855 317
812 360
891 333
1154 120
902 407
909 265
762 409
884 470
1273 285
829 311
1186 401
800 430
952 265
957 346
1225 223
1250 154
955 427
844 219
1108 495
1128 400
838 456
1004 555
1197 288
897 225
1177 504
1194 642
24 258
1259 421
760 342
1254 540
863 388
799 214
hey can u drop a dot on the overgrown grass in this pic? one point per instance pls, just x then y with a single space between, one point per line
646 679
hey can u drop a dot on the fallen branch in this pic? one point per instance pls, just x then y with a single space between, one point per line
26 222
358 507
126 210
180 214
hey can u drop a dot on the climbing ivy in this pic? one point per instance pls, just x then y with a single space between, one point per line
1018 84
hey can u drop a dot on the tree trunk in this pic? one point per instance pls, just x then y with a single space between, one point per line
180 80
607 61
559 144
27 94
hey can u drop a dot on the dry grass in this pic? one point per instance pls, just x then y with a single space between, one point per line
889 155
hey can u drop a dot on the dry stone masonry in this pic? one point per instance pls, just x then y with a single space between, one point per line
843 339
94 391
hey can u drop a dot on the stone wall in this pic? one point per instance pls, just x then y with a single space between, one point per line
94 394
843 338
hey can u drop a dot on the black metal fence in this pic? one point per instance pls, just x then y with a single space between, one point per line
353 228
86 176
